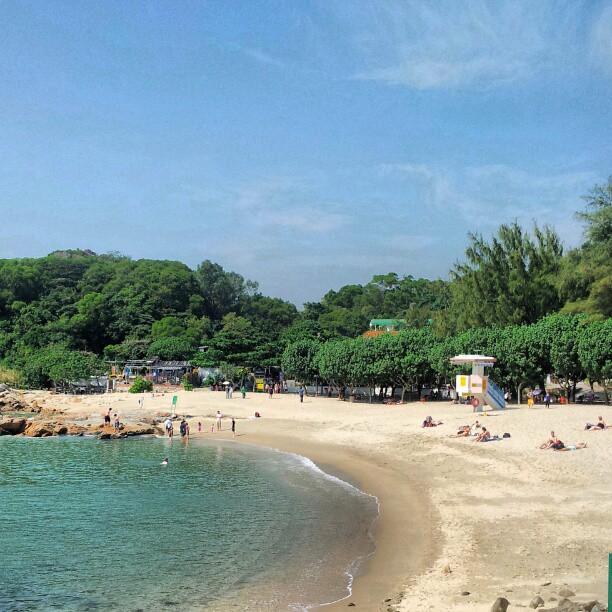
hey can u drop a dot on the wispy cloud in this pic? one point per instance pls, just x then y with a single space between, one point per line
601 42
482 197
449 44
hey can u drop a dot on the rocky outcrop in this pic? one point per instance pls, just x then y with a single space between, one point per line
43 428
12 401
12 427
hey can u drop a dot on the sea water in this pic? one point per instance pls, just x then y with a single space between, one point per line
100 524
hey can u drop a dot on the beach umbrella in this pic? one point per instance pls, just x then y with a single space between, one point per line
227 382
537 391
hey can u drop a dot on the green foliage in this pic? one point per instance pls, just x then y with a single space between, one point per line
509 280
141 385
57 364
586 277
299 360
171 349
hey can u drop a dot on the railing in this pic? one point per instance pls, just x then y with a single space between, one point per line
496 394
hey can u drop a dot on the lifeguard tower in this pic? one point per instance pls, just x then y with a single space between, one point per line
477 384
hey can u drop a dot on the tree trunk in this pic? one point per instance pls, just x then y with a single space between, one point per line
519 388
403 393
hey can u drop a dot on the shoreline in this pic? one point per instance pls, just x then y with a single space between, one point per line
383 575
461 524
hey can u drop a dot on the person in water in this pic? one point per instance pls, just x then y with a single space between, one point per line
165 461
233 428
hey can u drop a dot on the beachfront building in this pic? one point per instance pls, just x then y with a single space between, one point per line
383 326
158 371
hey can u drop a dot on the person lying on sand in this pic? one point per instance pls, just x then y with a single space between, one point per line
596 426
467 430
552 442
428 422
571 448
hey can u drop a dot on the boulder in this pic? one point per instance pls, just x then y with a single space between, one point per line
446 569
75 430
500 605
40 429
13 426
565 592
536 602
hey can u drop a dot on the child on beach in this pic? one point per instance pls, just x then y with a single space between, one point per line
199 426
233 428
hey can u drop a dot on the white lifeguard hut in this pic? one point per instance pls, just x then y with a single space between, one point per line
479 385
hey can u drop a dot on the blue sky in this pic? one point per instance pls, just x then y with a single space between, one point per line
306 145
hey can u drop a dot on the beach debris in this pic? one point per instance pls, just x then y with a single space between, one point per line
546 583
446 569
465 593
351 605
591 605
500 605
565 592
536 602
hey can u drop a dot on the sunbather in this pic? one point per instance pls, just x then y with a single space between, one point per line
483 436
428 422
467 430
596 426
552 442
571 448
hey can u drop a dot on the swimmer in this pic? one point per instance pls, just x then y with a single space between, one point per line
164 462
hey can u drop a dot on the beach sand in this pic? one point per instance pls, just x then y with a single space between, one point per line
505 516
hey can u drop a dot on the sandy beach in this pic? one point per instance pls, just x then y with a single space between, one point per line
504 516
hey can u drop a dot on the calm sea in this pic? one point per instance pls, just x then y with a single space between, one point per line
89 524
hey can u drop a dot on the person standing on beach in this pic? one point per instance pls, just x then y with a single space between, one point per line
243 391
271 390
107 418
301 392
233 428
219 417
199 426
231 391
117 423
547 400
169 427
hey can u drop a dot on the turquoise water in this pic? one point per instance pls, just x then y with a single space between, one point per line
92 524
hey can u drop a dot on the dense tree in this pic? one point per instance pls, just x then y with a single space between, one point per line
586 277
595 352
299 360
509 280
171 349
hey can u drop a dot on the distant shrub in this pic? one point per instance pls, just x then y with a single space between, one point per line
141 385
9 376
187 386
